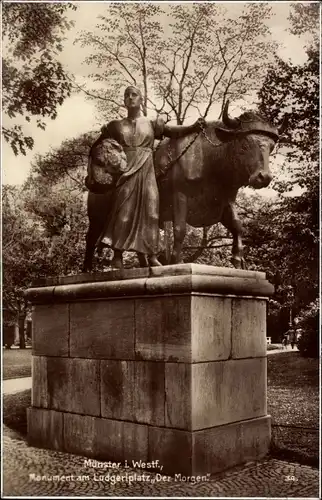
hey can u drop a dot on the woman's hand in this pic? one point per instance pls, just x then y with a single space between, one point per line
199 124
104 129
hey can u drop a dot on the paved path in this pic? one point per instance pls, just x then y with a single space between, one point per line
16 385
277 351
29 471
283 349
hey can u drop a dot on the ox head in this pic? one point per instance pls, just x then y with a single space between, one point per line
263 136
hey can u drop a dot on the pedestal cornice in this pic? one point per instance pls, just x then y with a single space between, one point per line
176 279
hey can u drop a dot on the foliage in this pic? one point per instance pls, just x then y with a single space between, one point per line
68 160
22 250
43 234
201 56
60 211
34 81
55 195
131 46
197 57
295 87
308 343
304 18
277 242
284 235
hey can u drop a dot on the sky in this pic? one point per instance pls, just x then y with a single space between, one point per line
77 115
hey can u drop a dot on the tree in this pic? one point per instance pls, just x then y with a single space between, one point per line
285 232
202 56
185 58
58 205
43 233
304 18
68 160
23 252
308 322
34 81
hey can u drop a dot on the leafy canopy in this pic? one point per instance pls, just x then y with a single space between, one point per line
34 81
285 233
185 58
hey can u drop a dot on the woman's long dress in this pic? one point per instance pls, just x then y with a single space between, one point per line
133 223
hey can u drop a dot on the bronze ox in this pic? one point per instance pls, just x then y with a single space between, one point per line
199 177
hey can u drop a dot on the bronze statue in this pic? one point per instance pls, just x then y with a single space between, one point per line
130 209
201 187
199 171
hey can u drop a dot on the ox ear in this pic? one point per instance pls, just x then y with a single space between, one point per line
225 135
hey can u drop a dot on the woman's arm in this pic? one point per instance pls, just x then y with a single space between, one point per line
176 131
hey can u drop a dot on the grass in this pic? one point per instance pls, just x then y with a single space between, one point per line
291 370
293 403
16 363
15 411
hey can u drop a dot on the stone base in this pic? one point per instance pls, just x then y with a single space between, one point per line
163 364
179 452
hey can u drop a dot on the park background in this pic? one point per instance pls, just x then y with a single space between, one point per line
63 78
65 68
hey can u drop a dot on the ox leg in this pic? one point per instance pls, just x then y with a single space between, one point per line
179 226
231 221
143 259
91 238
117 261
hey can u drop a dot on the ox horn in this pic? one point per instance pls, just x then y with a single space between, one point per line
228 121
284 124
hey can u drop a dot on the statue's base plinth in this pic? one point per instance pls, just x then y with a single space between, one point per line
163 364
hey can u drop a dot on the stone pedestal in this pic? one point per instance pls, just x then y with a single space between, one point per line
163 364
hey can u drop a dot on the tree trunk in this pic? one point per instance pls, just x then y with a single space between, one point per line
22 343
16 334
167 240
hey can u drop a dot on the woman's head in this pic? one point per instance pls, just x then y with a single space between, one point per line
132 97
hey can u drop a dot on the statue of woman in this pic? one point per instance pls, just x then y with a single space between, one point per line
133 223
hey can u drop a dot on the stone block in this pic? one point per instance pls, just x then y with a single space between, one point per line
45 428
166 280
79 434
74 385
117 389
211 328
111 275
203 270
178 401
200 452
135 442
108 439
105 439
93 291
102 329
50 330
173 449
39 392
133 390
248 328
256 438
160 364
149 395
163 328
228 391
219 448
